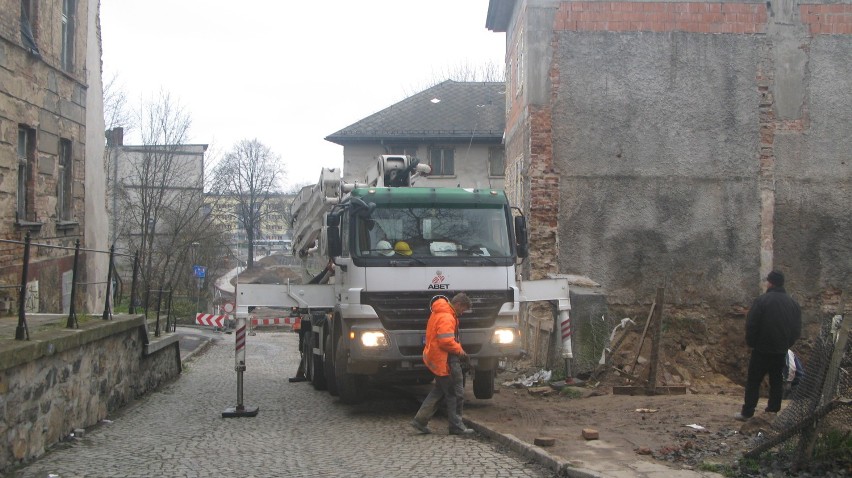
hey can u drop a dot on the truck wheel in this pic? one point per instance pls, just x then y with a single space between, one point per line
483 384
350 387
307 363
317 371
328 368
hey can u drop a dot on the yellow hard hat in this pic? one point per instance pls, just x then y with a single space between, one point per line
403 248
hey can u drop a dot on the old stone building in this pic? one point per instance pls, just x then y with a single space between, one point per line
694 145
455 127
51 169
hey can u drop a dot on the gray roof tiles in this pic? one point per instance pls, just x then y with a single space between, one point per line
448 111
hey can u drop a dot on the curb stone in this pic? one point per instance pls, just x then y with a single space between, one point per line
558 465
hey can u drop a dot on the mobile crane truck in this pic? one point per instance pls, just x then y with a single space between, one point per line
375 252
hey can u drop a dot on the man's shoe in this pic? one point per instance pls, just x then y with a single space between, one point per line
420 427
463 432
741 417
297 379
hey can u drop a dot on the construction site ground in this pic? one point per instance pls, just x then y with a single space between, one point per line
702 353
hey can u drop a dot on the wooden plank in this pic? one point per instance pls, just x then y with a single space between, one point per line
656 339
642 339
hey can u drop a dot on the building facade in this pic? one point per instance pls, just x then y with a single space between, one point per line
49 90
455 127
154 191
692 145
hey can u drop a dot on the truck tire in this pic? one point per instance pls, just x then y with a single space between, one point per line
483 384
328 368
350 387
307 363
317 369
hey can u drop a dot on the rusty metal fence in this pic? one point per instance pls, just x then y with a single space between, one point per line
113 284
814 431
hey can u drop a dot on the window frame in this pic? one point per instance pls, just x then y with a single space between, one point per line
29 26
492 151
65 182
25 196
442 170
66 58
402 149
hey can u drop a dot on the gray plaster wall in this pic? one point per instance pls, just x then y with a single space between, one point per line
656 138
813 222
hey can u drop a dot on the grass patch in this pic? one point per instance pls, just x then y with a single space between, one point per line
569 392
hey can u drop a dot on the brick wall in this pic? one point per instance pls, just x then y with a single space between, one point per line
698 17
833 19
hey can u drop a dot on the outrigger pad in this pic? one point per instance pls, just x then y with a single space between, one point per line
234 412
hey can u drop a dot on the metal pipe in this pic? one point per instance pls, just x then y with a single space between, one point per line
72 310
107 311
21 331
132 307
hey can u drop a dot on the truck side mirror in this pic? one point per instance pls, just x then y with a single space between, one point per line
521 237
335 246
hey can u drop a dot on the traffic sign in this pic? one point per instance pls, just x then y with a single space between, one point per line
199 271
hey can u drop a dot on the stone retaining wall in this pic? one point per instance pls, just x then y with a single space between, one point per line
65 379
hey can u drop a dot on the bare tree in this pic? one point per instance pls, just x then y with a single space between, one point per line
485 72
160 194
249 174
117 113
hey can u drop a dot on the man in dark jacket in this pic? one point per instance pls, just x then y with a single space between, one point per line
773 325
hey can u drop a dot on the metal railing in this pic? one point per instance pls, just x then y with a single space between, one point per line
22 331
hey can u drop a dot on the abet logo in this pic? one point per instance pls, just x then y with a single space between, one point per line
438 282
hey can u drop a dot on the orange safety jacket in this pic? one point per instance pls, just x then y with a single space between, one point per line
441 337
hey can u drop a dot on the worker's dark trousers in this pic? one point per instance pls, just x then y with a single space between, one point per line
759 366
451 389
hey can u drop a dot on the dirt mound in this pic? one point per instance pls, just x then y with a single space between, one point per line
270 270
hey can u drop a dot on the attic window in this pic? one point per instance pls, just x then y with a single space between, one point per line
435 100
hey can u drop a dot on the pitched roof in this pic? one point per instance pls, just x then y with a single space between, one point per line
448 111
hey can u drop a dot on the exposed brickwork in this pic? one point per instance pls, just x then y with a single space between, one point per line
544 195
696 17
834 19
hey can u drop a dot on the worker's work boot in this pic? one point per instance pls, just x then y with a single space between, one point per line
741 417
420 427
463 432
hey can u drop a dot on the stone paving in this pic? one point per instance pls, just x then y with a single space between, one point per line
301 432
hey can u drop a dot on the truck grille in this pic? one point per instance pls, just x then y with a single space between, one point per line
410 310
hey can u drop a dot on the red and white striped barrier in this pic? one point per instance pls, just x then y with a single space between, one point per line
210 319
294 321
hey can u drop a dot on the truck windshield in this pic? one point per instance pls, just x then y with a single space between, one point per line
429 232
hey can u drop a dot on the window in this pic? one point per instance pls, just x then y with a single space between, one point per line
64 201
496 161
26 158
67 58
407 150
441 161
29 14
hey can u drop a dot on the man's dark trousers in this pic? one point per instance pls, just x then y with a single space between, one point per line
759 366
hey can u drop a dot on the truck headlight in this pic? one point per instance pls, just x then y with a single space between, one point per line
374 339
503 336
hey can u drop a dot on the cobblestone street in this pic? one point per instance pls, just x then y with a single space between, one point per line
179 430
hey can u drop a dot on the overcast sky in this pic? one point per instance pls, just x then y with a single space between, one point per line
289 73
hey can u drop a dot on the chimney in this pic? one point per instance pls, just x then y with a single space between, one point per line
115 137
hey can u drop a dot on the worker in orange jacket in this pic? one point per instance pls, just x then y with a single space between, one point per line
443 355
